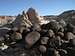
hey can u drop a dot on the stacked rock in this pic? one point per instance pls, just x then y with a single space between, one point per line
55 38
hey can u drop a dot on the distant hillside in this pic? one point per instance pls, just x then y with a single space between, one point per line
68 16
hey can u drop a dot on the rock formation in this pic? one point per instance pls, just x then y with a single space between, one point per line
29 36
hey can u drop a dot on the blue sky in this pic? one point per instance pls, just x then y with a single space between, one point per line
44 7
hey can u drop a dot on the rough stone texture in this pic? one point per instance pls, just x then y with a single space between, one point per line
69 36
51 33
32 38
44 40
42 48
61 34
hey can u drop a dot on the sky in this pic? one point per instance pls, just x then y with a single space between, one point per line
43 7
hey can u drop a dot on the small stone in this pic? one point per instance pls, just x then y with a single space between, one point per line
22 29
18 36
61 34
1 39
56 53
44 40
51 33
69 36
3 47
42 48
55 42
58 41
61 29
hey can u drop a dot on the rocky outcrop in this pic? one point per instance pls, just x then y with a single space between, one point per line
34 18
22 20
31 36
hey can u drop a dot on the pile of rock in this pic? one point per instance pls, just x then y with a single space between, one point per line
51 39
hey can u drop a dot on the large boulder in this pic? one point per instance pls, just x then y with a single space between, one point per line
31 39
